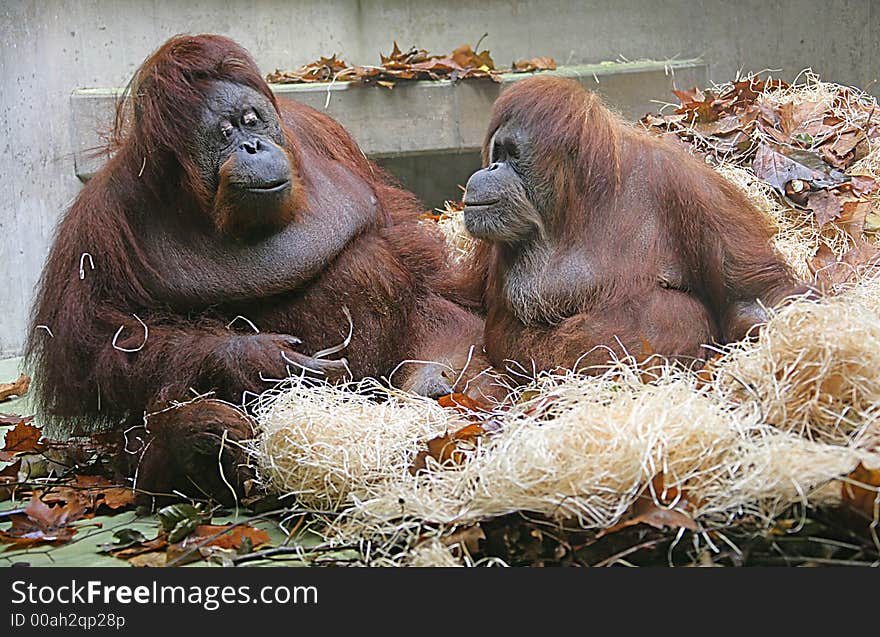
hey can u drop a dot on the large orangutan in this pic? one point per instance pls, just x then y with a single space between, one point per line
232 240
600 241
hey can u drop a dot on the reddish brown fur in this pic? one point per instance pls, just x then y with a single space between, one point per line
630 207
390 277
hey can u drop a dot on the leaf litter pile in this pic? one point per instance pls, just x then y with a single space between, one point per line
769 455
464 63
49 505
807 154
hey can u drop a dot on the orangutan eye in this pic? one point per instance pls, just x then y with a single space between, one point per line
504 149
250 118
226 129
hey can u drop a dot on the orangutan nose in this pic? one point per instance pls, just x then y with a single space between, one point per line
252 147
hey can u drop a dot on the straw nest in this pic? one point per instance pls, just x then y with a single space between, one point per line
780 419
815 369
326 444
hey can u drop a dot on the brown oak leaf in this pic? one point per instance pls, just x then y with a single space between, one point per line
826 206
41 524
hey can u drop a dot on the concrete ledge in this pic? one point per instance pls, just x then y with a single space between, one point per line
418 117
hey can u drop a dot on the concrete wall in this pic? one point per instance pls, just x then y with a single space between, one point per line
49 48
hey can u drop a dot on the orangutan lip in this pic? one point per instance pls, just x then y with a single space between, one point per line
480 204
274 187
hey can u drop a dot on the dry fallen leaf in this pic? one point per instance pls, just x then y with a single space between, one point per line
17 388
865 499
864 185
41 524
23 438
723 126
8 478
92 492
465 57
229 537
662 121
535 64
449 448
840 151
322 70
872 222
831 272
746 91
775 169
667 510
826 206
854 217
148 560
139 548
702 106
462 402
10 420
10 471
469 537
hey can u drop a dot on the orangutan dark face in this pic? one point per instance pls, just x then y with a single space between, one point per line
239 149
502 201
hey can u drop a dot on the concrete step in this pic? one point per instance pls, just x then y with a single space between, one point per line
417 118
